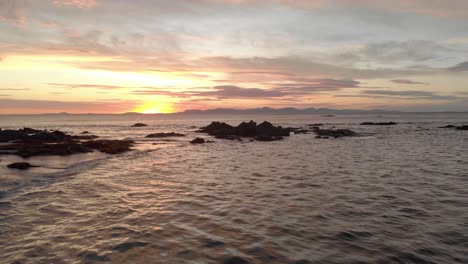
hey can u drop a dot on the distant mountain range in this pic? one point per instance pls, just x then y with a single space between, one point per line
272 111
287 110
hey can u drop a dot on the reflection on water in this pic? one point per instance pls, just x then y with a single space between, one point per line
396 195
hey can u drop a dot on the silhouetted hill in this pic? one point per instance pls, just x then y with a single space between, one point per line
287 110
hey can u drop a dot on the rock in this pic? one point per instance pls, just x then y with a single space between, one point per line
21 166
247 129
110 146
210 141
33 135
264 131
198 141
378 124
268 129
335 133
29 142
448 126
140 125
85 132
301 131
316 125
85 137
328 116
268 138
464 127
163 135
28 149
218 128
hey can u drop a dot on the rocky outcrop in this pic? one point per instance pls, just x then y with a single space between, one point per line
198 141
21 166
337 133
378 124
140 125
31 149
164 135
30 134
29 142
246 129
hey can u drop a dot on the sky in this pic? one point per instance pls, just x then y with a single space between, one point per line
159 56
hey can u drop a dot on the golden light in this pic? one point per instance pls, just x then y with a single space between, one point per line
155 107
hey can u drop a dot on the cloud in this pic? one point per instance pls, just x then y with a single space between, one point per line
277 90
86 86
14 89
461 67
12 12
403 81
75 3
13 106
406 95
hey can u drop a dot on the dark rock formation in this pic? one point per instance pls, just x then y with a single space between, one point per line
33 135
378 124
316 125
140 125
109 146
324 133
448 126
163 135
85 132
464 127
245 129
84 137
198 141
21 166
31 149
29 142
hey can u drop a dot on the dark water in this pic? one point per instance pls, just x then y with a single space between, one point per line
397 194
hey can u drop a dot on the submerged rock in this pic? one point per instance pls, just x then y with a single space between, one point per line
464 127
378 124
448 126
21 166
140 125
110 146
198 141
163 135
325 133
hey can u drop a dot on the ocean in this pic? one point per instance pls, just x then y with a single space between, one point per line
395 194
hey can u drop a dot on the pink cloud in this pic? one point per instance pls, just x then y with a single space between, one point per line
77 3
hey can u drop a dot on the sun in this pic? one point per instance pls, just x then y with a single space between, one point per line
155 108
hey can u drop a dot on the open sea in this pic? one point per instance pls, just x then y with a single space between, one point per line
396 194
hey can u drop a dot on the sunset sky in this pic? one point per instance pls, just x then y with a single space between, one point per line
153 56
